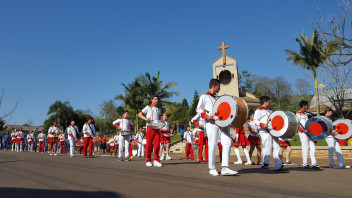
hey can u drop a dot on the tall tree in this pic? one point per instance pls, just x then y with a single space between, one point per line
311 56
245 81
62 112
193 108
185 103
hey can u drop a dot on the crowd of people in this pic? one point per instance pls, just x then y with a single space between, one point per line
207 137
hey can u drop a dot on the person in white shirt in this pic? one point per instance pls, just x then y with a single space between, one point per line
13 140
114 144
188 136
261 118
72 132
254 139
30 140
124 140
89 133
149 114
203 139
139 139
53 139
19 140
214 132
165 141
62 142
41 139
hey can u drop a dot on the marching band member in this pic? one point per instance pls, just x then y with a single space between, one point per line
165 141
203 140
307 143
188 136
241 140
13 140
149 114
124 140
261 117
139 139
62 142
206 102
130 151
254 139
20 140
333 145
41 139
89 133
285 145
112 144
103 144
72 132
52 139
30 141
116 144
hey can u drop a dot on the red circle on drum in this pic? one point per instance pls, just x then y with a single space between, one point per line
277 123
315 128
341 128
224 111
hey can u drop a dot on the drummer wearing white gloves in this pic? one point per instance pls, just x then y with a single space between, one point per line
205 110
152 113
124 140
89 133
261 118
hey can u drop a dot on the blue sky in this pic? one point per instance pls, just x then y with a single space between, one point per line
82 50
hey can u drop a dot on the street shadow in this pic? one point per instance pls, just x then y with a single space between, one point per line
9 161
272 171
41 193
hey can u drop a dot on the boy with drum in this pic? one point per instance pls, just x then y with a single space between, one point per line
307 143
261 119
152 113
124 139
205 110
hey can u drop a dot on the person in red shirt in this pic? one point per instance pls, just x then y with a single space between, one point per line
103 144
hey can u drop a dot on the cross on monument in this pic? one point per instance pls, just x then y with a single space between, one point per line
223 47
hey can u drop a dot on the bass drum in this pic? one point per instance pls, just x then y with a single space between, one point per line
231 111
343 128
283 124
319 127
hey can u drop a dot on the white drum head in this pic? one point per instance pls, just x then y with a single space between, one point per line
225 108
278 123
343 127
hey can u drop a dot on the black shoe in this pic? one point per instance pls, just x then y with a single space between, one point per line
281 170
253 163
265 166
120 159
289 163
92 156
85 156
315 167
306 166
127 159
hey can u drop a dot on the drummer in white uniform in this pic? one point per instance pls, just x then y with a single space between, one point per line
205 110
261 118
72 132
165 141
139 139
124 140
152 113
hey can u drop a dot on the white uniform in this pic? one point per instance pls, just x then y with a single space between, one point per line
90 129
41 137
206 101
52 131
307 143
13 139
30 138
253 130
124 140
112 142
261 117
62 137
334 147
151 112
72 130
139 139
188 136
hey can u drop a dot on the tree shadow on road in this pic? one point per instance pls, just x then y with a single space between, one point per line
9 161
41 193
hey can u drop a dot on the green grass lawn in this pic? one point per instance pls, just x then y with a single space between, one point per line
176 137
298 142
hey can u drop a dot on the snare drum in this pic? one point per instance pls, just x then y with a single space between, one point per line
96 139
230 111
343 128
319 127
157 124
283 124
79 143
133 143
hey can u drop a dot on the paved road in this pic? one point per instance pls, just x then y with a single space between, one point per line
40 175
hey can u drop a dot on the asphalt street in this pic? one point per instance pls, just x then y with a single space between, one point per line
40 175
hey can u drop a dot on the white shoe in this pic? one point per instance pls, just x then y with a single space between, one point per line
161 158
51 154
148 164
157 164
168 158
72 156
238 162
213 172
227 171
247 163
55 154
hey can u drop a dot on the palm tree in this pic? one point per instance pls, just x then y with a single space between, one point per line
312 55
62 111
